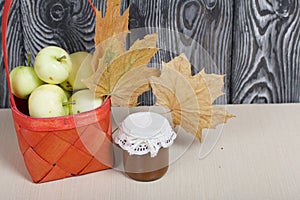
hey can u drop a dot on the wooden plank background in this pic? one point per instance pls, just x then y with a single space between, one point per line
256 43
266 58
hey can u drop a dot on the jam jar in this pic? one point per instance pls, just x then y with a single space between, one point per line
145 138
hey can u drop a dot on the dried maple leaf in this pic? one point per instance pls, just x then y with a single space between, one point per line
173 91
188 97
113 23
110 31
131 85
213 81
107 51
113 47
118 71
149 41
119 67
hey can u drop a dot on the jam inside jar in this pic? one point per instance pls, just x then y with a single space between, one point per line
145 138
145 167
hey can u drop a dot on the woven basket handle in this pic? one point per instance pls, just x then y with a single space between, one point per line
5 15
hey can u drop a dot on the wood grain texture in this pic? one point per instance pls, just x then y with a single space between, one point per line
202 29
266 52
256 43
68 24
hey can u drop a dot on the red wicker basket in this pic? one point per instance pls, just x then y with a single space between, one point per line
60 147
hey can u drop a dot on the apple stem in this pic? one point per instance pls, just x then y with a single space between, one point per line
69 103
61 58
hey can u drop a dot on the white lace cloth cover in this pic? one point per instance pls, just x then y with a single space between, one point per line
144 132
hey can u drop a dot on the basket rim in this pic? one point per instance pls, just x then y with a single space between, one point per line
62 122
14 107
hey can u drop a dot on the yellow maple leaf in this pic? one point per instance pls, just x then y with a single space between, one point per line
123 75
120 74
113 23
173 91
149 41
131 85
107 51
110 31
121 65
189 97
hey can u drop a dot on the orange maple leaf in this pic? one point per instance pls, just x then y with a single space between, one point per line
110 30
112 24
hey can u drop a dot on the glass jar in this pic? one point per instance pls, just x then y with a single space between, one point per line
145 138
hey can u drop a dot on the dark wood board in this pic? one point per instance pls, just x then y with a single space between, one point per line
266 58
256 43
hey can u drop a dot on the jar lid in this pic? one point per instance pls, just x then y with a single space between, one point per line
144 132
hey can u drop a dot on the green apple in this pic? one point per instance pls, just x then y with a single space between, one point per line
53 65
48 101
81 69
23 81
84 100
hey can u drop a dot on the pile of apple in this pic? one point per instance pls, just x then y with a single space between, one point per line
53 86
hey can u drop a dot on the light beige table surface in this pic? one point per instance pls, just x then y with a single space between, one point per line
256 157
